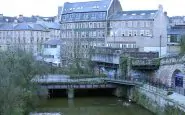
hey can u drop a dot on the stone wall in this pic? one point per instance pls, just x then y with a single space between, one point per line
156 100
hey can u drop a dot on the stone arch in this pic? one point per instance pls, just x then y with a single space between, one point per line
164 76
166 73
177 71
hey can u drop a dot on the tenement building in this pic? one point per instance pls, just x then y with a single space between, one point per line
84 25
143 29
28 37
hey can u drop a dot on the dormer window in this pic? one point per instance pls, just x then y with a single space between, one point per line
124 14
152 13
78 8
142 14
133 14
95 7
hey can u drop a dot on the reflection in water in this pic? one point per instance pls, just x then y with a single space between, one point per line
92 106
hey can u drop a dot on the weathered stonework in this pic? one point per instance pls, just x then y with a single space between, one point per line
167 68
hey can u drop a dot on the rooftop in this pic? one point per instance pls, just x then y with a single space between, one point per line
29 26
134 15
101 5
176 31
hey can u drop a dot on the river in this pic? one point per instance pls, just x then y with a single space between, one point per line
92 106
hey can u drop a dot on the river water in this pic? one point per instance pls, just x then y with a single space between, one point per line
92 106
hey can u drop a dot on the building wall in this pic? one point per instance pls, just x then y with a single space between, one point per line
25 39
52 54
143 34
160 31
30 40
84 30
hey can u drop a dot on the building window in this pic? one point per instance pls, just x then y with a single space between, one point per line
129 23
95 25
147 24
174 38
141 23
123 24
141 32
53 46
147 33
135 24
130 33
135 32
45 46
134 45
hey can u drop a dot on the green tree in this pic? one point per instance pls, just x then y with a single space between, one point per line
18 93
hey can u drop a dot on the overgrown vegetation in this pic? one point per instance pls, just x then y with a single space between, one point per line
172 110
182 45
18 93
123 66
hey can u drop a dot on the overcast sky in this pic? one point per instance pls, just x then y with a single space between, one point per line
49 7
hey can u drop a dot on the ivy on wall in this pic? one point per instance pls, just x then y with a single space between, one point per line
123 66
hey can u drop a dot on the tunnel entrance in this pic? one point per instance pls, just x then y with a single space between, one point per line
56 93
94 92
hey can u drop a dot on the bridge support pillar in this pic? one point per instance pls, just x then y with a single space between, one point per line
120 92
130 92
70 93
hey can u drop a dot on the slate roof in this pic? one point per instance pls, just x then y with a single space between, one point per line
38 27
48 19
7 19
176 31
53 42
6 26
23 26
101 5
134 15
27 19
51 25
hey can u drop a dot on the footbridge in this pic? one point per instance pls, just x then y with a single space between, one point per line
55 82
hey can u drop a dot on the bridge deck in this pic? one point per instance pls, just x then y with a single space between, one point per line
123 82
66 82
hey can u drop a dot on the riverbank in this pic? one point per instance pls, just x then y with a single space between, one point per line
158 101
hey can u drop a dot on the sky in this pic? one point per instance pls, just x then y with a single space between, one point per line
50 7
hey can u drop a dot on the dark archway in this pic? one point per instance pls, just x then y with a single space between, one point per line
173 79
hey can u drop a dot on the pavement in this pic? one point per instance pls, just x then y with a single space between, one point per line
178 98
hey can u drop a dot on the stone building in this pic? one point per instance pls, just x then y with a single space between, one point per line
52 51
28 37
84 25
177 20
143 29
175 34
176 29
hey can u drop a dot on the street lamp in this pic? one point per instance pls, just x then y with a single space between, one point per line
160 45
